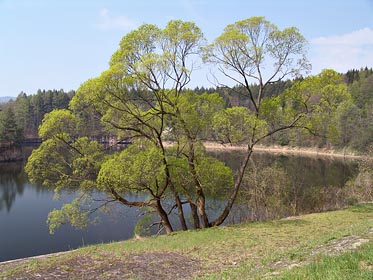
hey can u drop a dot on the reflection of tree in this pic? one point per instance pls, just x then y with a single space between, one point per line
360 188
10 152
288 185
317 184
12 183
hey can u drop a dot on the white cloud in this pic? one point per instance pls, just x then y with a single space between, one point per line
344 52
109 22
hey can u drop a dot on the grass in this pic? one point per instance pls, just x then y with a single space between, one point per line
351 265
246 251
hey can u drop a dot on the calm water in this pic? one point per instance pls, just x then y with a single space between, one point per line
24 207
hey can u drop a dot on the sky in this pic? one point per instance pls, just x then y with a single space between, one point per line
59 44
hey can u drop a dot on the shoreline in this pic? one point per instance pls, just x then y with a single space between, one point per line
284 150
36 257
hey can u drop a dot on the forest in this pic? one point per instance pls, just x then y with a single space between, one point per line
350 127
20 118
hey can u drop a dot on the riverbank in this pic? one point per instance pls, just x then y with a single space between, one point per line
10 152
246 251
286 150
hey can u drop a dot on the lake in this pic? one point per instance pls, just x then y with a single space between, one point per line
312 184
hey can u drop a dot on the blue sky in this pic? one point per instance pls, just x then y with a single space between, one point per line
50 44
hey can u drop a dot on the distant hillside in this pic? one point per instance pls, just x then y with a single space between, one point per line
5 99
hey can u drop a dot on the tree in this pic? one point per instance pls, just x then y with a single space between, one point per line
139 97
256 50
22 113
143 96
322 96
9 129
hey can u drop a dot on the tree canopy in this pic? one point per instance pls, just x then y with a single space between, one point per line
143 97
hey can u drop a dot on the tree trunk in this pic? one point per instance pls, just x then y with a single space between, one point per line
201 201
219 220
202 211
193 209
169 183
180 212
164 217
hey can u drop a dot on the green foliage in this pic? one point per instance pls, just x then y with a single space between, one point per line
215 177
317 99
138 168
65 166
194 114
348 124
131 99
29 110
142 227
9 130
238 124
69 213
327 107
142 97
155 57
47 165
58 123
246 47
272 110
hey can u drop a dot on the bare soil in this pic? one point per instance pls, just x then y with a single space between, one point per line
155 265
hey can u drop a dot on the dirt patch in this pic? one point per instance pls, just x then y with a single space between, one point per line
156 265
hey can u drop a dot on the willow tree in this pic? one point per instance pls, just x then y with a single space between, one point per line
255 51
142 97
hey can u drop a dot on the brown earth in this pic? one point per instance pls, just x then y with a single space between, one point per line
155 265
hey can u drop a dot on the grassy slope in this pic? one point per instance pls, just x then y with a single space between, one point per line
249 251
357 264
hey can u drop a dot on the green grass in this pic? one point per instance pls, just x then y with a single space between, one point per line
352 265
246 251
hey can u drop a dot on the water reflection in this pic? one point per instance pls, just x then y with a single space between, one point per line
312 182
279 186
12 184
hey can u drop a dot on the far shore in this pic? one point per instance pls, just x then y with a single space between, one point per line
282 150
